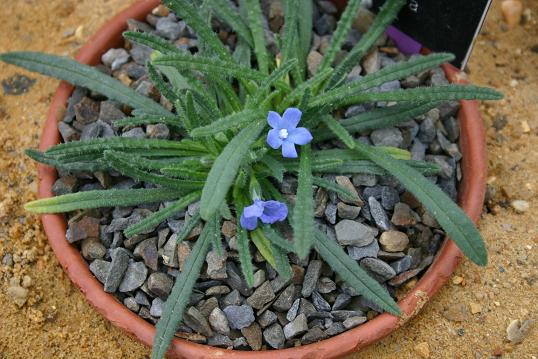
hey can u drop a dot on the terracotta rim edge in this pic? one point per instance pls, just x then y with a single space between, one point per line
471 198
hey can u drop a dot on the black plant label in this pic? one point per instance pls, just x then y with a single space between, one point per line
443 25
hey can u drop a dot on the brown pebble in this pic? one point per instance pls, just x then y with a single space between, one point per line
512 11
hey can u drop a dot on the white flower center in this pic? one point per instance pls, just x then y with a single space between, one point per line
283 133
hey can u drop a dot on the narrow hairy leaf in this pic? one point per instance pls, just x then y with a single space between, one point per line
275 76
368 167
223 172
156 218
336 99
334 187
164 88
263 245
188 227
451 217
312 85
339 131
282 262
384 18
82 75
305 30
276 239
213 66
146 120
290 35
390 73
149 146
276 168
216 240
129 167
255 18
352 273
180 295
397 71
383 117
245 259
227 12
101 198
184 172
155 42
190 14
303 216
340 34
234 120
227 93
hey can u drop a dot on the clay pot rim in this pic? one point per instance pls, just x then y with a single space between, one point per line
471 197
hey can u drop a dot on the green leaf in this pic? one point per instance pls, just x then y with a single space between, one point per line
156 218
148 147
155 42
245 259
216 240
340 132
282 262
263 245
384 18
451 218
146 120
276 168
397 71
277 239
225 123
275 76
180 295
212 66
184 172
127 166
223 172
188 227
366 166
229 14
192 17
305 30
336 99
82 75
101 198
303 216
334 187
255 18
290 37
383 117
312 85
353 274
164 88
340 34
394 72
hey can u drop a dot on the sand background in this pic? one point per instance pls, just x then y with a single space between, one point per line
56 321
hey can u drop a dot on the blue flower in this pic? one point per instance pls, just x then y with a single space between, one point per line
285 132
267 211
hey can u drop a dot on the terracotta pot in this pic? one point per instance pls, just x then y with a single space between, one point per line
471 190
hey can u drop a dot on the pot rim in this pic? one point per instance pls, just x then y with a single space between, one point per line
471 197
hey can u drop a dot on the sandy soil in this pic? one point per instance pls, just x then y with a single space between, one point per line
56 322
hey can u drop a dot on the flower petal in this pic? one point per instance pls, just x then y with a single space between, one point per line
288 149
254 210
249 223
274 211
300 136
291 118
273 139
274 120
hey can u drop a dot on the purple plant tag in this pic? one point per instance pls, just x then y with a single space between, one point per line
405 43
